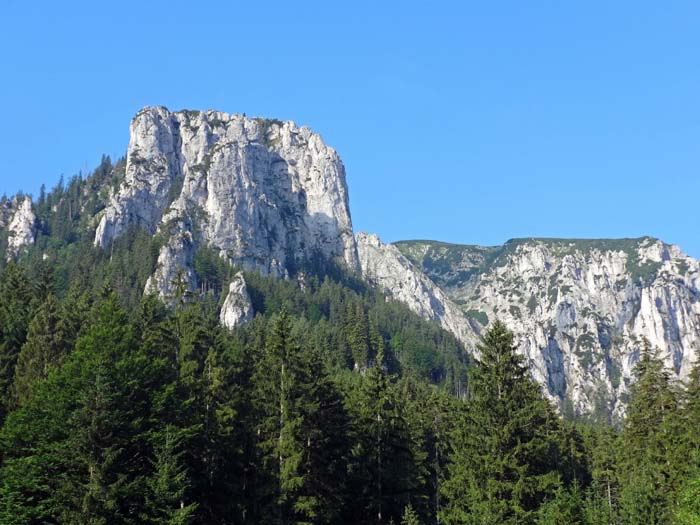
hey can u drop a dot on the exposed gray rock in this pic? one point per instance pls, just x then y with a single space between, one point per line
266 194
174 257
579 308
237 308
385 267
21 228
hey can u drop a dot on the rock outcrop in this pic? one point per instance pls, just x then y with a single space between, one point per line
580 309
237 308
385 267
266 194
269 196
174 262
21 227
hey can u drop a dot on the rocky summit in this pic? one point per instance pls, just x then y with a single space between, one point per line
269 196
265 194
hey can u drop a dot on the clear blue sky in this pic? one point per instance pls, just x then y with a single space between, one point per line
465 122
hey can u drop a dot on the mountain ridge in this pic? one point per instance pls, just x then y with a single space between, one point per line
580 309
269 195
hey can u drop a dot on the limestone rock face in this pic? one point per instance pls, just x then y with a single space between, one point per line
385 267
175 256
579 308
268 195
265 194
237 308
21 227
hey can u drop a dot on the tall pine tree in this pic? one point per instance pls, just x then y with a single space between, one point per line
501 467
649 470
384 473
45 347
16 309
301 427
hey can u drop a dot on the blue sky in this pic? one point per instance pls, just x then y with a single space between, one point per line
465 122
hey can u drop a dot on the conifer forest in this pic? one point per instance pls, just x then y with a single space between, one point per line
333 405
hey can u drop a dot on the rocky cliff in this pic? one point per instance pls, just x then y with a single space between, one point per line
580 309
18 219
265 194
269 195
384 266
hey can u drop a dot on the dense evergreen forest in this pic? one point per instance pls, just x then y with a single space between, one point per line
331 406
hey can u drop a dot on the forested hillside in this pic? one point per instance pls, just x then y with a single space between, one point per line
333 405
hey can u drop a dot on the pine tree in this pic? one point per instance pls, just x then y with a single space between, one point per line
442 407
74 311
16 309
501 467
566 506
376 341
170 481
181 288
651 432
688 511
301 429
603 493
153 328
202 404
409 516
357 335
222 440
111 409
324 435
690 415
78 449
383 466
46 345
422 415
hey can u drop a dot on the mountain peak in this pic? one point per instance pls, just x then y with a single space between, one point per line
265 194
579 308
